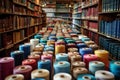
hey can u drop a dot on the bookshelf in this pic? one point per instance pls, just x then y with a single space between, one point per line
20 20
100 20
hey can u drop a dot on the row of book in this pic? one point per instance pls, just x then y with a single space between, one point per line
20 1
16 22
89 2
110 28
77 10
112 46
77 15
6 6
110 5
93 26
90 12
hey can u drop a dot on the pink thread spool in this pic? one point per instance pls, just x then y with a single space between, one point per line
47 56
89 57
24 70
34 56
6 67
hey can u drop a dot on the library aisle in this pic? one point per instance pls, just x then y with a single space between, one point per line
60 40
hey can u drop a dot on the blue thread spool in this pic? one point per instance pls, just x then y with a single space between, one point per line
81 45
46 46
38 79
37 36
61 66
49 49
85 77
70 41
52 34
85 39
115 68
67 39
43 40
26 49
62 57
95 66
52 38
84 51
18 57
45 64
60 38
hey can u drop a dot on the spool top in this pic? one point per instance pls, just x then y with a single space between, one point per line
117 63
86 78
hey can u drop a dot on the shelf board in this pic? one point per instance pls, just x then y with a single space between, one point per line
10 46
90 5
30 9
110 12
20 4
2 49
76 18
34 3
20 41
77 12
109 36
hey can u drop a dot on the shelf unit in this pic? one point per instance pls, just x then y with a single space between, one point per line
20 20
107 19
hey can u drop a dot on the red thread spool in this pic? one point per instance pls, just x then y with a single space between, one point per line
89 57
31 62
34 56
71 45
24 70
6 67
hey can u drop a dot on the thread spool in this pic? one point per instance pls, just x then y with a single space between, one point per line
49 49
85 39
18 57
60 49
15 77
71 45
72 50
81 45
61 66
6 67
37 36
104 75
115 68
81 36
70 41
89 42
47 56
77 64
78 41
35 57
52 38
59 42
31 62
95 66
38 49
75 58
40 45
84 51
72 54
88 58
79 70
31 46
94 47
103 56
34 42
51 42
62 57
48 52
36 53
40 73
25 49
85 77
38 79
62 76
24 70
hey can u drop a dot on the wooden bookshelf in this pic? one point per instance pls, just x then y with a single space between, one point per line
18 22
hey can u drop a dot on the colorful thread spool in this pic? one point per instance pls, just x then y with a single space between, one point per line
31 46
78 41
72 54
81 45
84 51
51 42
89 42
26 49
95 66
43 40
24 70
103 56
37 36
40 73
60 49
81 36
34 42
71 45
52 38
72 49
88 58
85 77
48 52
70 41
47 56
85 39
77 64
6 67
75 58
115 68
38 79
62 76
104 75
18 57
35 57
45 64
36 53
49 49
39 49
61 66
15 77
79 70
94 47
62 57
31 62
